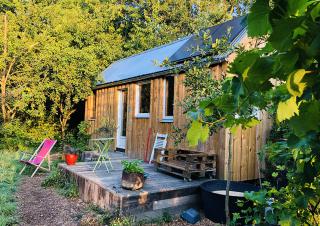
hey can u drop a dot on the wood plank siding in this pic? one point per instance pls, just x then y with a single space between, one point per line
104 103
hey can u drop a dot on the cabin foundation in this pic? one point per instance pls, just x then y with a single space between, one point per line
161 192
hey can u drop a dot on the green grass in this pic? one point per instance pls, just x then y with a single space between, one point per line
9 167
104 217
165 218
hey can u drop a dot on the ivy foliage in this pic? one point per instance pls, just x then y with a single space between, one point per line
282 77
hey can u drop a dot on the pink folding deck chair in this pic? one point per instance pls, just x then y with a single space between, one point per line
42 152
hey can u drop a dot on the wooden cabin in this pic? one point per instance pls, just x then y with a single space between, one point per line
142 99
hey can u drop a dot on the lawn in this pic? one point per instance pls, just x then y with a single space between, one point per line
8 183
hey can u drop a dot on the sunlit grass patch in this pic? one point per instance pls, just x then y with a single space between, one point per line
8 182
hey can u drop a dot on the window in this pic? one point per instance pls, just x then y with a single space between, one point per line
94 110
168 99
91 107
143 100
124 113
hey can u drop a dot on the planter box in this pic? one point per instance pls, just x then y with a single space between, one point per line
132 181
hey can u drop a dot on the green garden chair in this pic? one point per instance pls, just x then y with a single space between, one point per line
103 145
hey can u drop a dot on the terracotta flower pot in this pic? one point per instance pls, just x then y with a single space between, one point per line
71 159
132 181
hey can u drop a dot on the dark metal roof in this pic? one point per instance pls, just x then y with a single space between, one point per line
146 64
236 25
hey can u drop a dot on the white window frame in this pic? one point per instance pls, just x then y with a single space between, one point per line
137 104
166 118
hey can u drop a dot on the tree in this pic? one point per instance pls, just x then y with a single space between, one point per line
74 54
14 53
62 46
150 23
289 65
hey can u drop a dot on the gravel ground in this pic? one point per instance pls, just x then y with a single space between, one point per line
44 206
38 206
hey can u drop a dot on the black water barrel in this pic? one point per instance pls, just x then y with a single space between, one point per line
213 203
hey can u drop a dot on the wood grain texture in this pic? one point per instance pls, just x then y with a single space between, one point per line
104 189
246 143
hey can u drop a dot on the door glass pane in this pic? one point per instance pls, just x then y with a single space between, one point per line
124 113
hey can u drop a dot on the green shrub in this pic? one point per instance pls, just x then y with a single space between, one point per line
79 138
18 135
65 185
132 166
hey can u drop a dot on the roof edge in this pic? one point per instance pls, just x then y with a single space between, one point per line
134 79
149 76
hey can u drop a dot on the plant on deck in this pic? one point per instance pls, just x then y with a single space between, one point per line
132 166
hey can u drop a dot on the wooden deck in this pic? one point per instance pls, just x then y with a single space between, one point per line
161 192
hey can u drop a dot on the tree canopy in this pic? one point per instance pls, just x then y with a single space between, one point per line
53 51
281 77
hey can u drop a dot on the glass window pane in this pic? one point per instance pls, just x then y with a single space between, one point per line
145 98
124 113
169 95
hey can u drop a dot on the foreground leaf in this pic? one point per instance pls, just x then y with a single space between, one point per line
308 119
295 85
287 109
258 19
197 132
253 122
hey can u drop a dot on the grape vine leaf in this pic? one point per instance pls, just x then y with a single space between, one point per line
243 62
259 74
287 109
234 129
258 19
197 132
315 12
282 35
252 122
307 120
294 83
297 7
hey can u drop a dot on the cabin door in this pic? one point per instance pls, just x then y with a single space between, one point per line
122 120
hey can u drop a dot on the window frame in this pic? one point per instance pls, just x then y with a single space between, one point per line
137 102
165 117
93 116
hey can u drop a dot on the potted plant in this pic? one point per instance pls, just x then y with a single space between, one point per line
132 175
70 154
